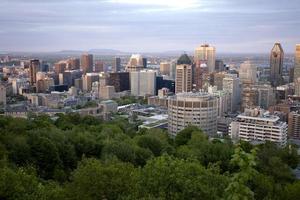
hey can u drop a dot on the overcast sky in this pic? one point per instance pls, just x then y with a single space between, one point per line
149 25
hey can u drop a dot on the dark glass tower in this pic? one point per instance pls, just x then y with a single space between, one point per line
276 65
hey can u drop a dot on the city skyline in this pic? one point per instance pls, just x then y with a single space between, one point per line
148 26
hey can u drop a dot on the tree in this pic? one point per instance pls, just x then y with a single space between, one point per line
238 188
96 180
167 177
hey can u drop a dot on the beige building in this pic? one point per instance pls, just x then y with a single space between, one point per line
198 109
135 63
87 63
207 54
248 73
183 74
2 95
143 83
297 63
294 125
297 87
165 68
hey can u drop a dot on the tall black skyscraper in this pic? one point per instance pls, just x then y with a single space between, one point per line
276 65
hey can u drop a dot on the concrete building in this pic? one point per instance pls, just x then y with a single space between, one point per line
33 69
135 63
143 83
116 67
73 64
165 68
99 66
120 80
207 54
224 100
297 63
297 87
198 109
248 73
219 66
107 92
256 125
87 81
294 125
199 74
2 95
276 65
60 67
87 63
231 84
183 74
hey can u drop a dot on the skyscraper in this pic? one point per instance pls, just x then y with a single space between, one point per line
143 83
165 68
206 53
116 67
297 63
248 73
183 74
87 63
276 65
200 71
33 69
135 63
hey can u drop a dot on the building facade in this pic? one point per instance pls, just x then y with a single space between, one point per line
276 65
207 54
183 74
198 109
87 63
256 125
143 83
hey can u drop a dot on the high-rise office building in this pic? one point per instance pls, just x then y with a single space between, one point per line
145 62
2 95
99 66
183 74
231 84
256 125
136 63
87 63
219 66
198 109
248 73
87 81
200 71
294 125
143 83
73 64
297 63
116 67
297 87
165 68
33 69
60 67
206 53
120 80
276 65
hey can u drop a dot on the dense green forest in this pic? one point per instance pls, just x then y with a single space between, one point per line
84 158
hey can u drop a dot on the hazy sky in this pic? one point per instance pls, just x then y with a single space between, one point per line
149 25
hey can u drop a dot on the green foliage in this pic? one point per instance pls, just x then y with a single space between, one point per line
75 157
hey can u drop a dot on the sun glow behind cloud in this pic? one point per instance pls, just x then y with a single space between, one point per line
168 4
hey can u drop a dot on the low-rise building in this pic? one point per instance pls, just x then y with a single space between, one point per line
256 125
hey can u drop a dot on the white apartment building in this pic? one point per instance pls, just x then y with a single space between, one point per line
256 125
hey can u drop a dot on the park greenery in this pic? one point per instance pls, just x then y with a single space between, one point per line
84 158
